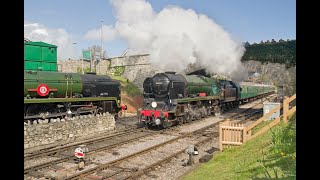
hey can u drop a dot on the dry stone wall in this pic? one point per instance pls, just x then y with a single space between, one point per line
61 130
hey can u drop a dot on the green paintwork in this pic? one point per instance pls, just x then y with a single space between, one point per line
249 91
40 56
55 100
41 66
202 84
40 51
184 100
55 80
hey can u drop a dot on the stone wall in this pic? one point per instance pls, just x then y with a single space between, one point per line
137 67
44 133
75 65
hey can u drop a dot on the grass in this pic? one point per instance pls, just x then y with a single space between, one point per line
268 156
119 78
127 87
260 126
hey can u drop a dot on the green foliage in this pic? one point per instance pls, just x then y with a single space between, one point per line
132 90
119 70
280 158
85 70
127 87
119 78
281 52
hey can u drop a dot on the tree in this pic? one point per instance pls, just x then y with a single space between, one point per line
95 52
246 44
96 56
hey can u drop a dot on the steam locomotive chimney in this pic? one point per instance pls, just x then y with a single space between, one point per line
170 72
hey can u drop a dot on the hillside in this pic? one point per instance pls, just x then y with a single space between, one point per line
283 52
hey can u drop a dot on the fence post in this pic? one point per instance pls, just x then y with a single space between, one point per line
220 136
244 138
285 110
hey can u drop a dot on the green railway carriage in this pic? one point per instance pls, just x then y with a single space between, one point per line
250 90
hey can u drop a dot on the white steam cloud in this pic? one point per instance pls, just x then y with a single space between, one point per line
58 37
176 37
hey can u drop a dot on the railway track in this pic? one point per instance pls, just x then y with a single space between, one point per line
251 113
154 165
65 154
115 164
61 148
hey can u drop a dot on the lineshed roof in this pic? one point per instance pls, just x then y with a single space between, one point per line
40 44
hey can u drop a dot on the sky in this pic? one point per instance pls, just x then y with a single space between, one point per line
75 25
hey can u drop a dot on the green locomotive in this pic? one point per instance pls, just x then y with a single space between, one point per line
171 98
49 94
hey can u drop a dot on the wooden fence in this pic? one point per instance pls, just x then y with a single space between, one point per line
233 134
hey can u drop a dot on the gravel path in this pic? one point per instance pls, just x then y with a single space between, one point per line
38 161
175 168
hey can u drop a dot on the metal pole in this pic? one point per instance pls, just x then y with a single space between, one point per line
82 64
101 52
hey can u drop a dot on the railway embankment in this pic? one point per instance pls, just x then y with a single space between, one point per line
269 156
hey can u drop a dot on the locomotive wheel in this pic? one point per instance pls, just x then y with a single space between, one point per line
217 110
197 114
204 112
187 118
180 120
209 111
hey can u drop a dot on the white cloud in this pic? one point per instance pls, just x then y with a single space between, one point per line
59 37
109 33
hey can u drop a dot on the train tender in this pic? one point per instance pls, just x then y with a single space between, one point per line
171 98
54 94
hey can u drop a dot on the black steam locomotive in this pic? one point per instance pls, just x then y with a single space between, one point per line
171 98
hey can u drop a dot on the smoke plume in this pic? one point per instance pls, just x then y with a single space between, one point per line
176 37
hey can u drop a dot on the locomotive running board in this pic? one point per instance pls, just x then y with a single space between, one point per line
184 100
57 100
